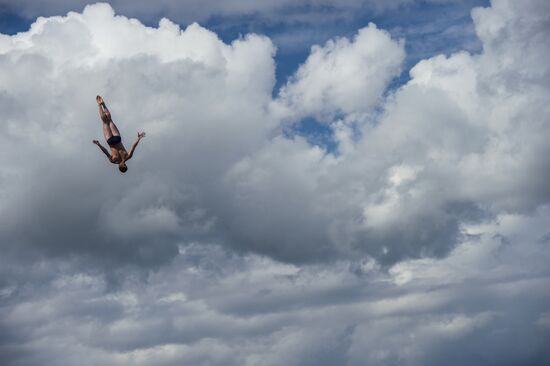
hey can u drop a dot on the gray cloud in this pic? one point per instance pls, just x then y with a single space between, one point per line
485 303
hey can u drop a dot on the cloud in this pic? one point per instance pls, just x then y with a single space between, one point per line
441 153
344 76
411 169
421 240
188 89
485 303
192 10
206 106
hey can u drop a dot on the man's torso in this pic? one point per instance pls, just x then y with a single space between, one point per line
118 153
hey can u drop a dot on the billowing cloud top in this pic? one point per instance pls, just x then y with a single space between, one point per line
462 141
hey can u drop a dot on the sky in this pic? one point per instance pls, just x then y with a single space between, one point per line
351 182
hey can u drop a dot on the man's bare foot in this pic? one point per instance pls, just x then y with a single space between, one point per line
99 100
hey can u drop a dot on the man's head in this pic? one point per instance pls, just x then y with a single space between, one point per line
122 167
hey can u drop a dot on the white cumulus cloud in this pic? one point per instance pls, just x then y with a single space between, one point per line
345 75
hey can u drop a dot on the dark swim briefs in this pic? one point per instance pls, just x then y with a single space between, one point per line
114 140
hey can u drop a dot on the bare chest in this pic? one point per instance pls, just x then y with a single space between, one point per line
118 154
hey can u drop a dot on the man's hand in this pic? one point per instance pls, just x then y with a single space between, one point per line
96 142
141 135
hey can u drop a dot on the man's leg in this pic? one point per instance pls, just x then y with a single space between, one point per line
107 131
103 110
114 129
105 116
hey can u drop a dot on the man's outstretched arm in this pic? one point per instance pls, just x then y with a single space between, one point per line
105 151
140 135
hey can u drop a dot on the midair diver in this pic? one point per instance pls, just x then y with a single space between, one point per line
118 154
